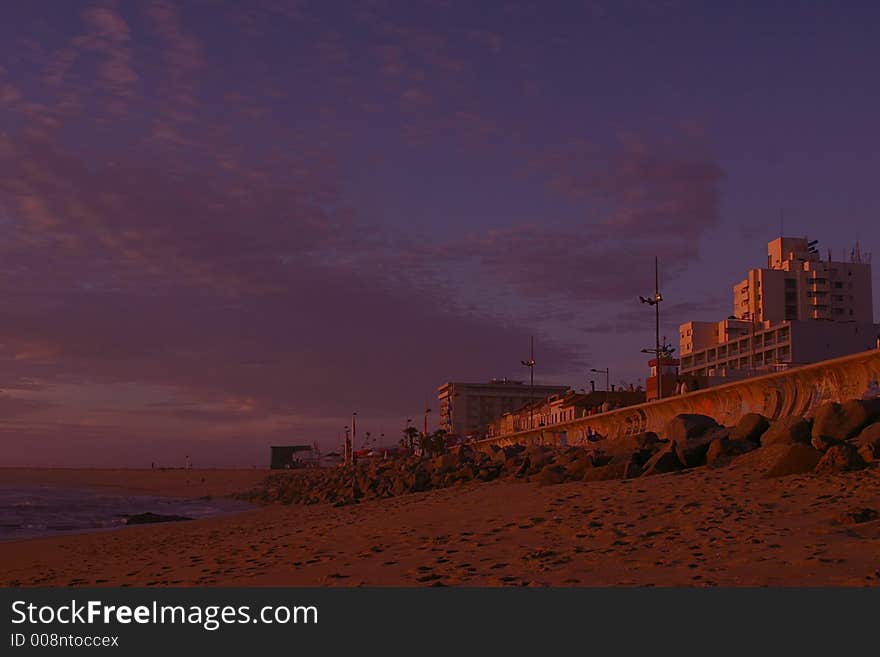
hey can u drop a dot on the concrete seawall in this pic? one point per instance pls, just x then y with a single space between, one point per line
793 392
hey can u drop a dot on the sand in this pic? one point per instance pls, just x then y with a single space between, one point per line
700 527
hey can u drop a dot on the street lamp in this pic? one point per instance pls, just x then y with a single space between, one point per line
655 301
607 373
530 363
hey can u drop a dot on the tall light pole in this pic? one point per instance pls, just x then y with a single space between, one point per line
655 301
530 363
353 435
607 373
427 410
347 450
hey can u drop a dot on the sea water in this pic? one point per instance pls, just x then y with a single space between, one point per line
34 511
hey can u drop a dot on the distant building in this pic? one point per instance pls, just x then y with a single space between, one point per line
469 408
559 408
291 456
797 310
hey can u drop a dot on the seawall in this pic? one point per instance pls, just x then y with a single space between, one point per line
793 392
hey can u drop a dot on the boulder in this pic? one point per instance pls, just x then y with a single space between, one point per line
635 463
822 442
718 454
843 421
751 426
614 469
150 518
791 459
665 460
688 425
840 458
646 440
787 431
575 470
692 452
868 442
551 475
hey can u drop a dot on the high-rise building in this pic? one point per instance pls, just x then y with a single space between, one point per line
469 408
799 309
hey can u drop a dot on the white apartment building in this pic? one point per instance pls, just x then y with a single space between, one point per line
797 310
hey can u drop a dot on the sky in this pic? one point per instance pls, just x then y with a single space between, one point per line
228 225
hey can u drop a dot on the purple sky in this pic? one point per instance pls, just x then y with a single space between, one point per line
227 225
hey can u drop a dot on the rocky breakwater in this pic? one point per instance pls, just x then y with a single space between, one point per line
835 438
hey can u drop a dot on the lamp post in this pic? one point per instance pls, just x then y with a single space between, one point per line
353 435
427 410
530 363
347 449
655 301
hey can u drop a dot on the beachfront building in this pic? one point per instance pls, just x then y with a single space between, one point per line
467 409
559 408
799 309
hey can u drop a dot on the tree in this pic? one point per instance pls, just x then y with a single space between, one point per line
410 434
433 444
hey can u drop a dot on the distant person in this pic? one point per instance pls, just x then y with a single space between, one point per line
684 388
676 390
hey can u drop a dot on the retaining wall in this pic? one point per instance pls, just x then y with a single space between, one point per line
793 392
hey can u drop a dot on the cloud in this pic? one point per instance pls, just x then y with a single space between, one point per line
640 200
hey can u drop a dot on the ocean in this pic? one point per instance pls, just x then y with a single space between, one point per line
34 511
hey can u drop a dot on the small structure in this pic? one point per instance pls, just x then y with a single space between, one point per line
285 457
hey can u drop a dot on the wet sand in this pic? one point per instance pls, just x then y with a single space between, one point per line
700 527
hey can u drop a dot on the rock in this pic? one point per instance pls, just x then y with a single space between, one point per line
149 518
822 443
551 475
751 426
635 463
646 440
842 421
840 458
688 425
575 469
787 431
665 460
692 452
614 469
598 458
867 453
792 459
868 442
718 454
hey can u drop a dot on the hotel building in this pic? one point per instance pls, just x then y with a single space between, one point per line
469 408
799 309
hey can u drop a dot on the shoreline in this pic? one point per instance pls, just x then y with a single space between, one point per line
731 526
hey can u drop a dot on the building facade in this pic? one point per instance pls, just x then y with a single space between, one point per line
558 408
469 408
798 310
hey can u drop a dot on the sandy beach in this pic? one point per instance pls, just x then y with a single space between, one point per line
699 527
